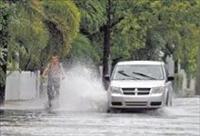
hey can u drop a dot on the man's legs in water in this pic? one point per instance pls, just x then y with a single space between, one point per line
50 92
53 89
56 87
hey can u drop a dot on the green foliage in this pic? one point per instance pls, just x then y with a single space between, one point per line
183 20
3 53
28 35
40 28
93 14
140 29
168 26
188 49
145 29
120 49
62 20
82 49
93 17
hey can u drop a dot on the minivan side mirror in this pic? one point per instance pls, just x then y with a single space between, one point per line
170 78
107 77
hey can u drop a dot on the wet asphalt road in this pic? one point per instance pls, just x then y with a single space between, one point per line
183 119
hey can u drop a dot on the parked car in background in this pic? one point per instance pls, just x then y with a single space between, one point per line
139 84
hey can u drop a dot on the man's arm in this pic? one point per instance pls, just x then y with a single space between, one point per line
45 71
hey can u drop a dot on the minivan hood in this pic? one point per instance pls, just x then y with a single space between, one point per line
137 83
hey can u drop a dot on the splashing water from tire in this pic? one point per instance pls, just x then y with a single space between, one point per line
82 90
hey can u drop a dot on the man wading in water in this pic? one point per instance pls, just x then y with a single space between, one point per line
55 73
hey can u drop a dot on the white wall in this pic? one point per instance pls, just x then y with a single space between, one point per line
185 90
22 86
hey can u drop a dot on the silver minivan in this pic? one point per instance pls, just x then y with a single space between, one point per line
139 84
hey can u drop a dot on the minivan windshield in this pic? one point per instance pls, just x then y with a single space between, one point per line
138 72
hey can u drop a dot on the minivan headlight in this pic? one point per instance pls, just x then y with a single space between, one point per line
115 90
157 90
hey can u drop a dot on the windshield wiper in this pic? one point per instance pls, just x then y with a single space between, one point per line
144 75
124 74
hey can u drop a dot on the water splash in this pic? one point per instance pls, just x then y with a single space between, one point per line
82 90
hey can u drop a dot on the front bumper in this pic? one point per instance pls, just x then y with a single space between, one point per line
136 101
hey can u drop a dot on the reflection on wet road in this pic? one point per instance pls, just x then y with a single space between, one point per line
182 119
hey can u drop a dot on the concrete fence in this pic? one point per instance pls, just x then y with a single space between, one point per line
188 84
184 85
22 85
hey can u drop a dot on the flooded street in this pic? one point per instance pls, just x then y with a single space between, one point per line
66 64
182 119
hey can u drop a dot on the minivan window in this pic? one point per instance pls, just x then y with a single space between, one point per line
138 72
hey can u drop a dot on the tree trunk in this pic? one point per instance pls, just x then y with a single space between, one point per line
4 45
3 85
198 75
106 43
106 51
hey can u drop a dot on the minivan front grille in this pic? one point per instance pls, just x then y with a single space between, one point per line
130 103
128 91
136 91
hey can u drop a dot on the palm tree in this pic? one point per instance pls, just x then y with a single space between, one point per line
37 28
43 27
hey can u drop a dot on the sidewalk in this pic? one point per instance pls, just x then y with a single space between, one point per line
36 104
